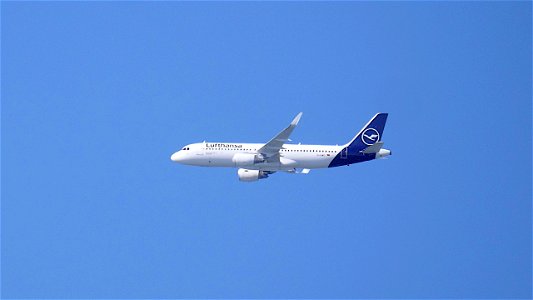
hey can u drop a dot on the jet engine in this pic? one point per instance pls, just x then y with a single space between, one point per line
251 175
246 159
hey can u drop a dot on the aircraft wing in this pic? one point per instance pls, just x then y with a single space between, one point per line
276 143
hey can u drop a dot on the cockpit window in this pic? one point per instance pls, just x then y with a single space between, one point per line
185 148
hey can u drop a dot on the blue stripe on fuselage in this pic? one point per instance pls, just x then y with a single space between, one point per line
350 158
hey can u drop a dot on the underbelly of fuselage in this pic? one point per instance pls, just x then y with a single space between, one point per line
305 162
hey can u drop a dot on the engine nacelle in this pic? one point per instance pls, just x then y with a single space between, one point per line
245 159
251 175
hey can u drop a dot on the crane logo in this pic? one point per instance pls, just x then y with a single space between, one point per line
370 136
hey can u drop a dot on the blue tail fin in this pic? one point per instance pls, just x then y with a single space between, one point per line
370 134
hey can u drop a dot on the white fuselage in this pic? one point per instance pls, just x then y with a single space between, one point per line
223 155
257 161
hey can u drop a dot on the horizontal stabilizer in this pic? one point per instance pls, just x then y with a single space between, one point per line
373 148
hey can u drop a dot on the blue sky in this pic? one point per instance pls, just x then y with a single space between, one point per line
96 96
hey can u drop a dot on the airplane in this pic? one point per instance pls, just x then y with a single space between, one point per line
258 161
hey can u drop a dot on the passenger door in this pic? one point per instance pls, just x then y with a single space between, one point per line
344 153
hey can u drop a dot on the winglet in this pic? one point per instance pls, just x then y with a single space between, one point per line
296 119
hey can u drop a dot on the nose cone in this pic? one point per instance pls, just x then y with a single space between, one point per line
176 157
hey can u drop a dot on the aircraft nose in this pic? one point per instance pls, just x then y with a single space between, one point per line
176 156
